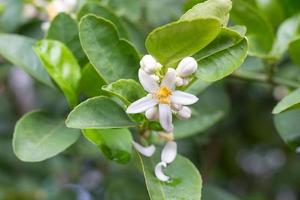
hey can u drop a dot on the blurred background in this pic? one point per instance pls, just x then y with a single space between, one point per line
240 155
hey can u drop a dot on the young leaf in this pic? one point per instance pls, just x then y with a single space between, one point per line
38 137
174 41
222 63
245 14
98 113
64 28
185 181
101 11
210 9
126 89
62 67
290 101
112 57
294 49
115 144
18 50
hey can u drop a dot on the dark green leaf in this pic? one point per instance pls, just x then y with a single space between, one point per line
214 193
290 101
294 50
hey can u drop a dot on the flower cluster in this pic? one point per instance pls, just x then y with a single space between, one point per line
162 101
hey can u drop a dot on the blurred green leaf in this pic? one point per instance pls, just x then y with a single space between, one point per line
259 29
115 144
290 101
174 41
112 57
65 29
38 137
131 9
127 90
11 16
214 193
18 50
294 50
62 66
101 11
210 8
185 183
98 113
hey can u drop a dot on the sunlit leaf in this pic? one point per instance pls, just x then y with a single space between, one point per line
290 101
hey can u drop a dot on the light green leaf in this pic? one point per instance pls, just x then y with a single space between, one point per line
287 124
11 16
212 106
259 29
64 28
294 50
185 183
18 50
213 193
38 137
290 101
98 113
126 89
210 9
115 144
112 57
222 63
174 41
91 82
62 67
101 11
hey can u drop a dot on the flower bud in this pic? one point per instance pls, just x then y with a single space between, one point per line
152 113
179 81
186 67
185 82
149 64
176 107
184 113
155 77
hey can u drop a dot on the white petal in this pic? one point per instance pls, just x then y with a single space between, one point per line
165 117
149 64
185 81
169 152
176 107
170 79
179 81
149 84
184 113
146 151
155 77
152 113
183 98
186 67
159 173
141 105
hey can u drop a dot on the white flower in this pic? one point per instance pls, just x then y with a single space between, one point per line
58 6
162 96
146 151
187 67
149 64
184 113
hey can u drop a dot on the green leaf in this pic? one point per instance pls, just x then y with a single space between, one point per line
64 28
18 50
210 9
115 144
101 11
11 16
112 57
174 41
290 101
213 192
131 9
294 49
91 82
38 137
60 63
98 113
126 89
212 106
287 124
222 63
186 182
259 29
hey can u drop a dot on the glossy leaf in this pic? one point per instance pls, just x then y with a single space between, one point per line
210 9
126 89
294 50
244 13
112 57
64 28
290 101
38 136
222 63
62 66
98 113
115 144
174 41
18 50
185 183
101 11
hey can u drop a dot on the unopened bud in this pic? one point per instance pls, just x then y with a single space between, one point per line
152 113
184 113
186 67
149 64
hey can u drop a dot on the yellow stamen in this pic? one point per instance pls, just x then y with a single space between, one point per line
163 95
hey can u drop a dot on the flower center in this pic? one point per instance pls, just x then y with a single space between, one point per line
163 95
